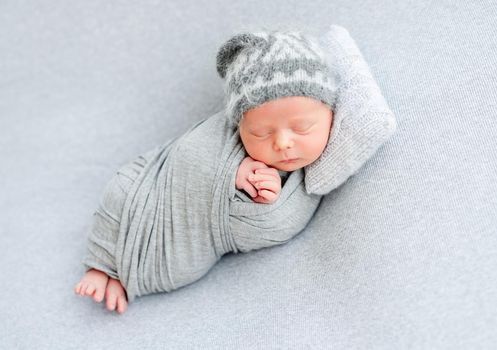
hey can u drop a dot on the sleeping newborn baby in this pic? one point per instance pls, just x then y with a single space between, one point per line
234 182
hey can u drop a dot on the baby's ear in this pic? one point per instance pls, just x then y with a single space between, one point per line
231 48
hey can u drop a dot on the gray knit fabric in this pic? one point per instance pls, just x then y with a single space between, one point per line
156 233
263 66
362 120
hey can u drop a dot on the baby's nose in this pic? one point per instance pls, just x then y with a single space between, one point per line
283 140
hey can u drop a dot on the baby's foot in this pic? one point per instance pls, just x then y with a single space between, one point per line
115 295
93 284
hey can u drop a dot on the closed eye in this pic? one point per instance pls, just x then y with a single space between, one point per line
261 136
303 130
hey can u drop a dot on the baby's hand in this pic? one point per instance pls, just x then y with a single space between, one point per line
260 181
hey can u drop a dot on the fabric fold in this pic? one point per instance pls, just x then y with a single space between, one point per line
182 212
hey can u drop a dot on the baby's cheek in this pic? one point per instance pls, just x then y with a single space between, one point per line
316 145
259 152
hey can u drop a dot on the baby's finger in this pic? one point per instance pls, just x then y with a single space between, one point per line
268 195
268 171
256 165
253 178
251 190
267 185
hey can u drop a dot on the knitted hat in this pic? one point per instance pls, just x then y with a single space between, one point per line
263 66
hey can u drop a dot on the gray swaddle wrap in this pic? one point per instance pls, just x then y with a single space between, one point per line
181 211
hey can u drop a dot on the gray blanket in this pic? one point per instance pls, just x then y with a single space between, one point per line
172 213
183 212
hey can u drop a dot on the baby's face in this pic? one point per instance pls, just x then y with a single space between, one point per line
288 133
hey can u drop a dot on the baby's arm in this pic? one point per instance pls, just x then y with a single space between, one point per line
261 182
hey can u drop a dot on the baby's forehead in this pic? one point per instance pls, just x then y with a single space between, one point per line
288 108
262 123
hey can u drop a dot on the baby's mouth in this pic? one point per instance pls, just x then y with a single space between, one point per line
289 161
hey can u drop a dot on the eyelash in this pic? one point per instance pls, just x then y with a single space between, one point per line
302 132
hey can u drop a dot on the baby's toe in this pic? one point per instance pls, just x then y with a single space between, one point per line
90 289
121 304
99 294
77 288
84 286
111 301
